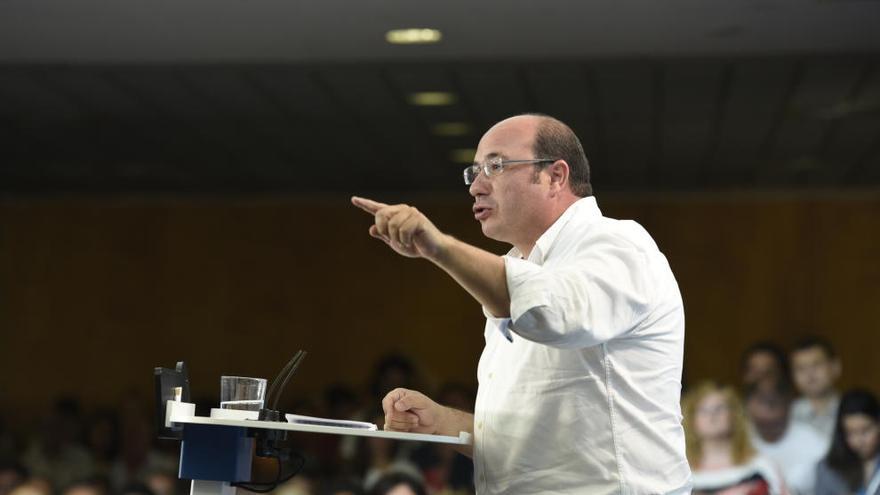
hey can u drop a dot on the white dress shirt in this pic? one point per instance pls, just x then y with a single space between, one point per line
579 390
797 453
822 421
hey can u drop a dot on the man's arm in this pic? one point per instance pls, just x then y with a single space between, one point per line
411 411
409 232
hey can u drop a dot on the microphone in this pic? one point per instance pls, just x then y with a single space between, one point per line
271 412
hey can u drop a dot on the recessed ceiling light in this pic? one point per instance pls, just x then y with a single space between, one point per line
451 129
463 155
413 36
431 98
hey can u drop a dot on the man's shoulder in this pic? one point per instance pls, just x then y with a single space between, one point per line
802 437
626 233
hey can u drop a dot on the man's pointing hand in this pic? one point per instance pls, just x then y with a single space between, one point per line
404 228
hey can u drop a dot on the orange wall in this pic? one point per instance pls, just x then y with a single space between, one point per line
96 292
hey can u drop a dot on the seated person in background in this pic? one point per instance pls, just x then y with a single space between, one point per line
795 447
853 463
33 486
380 457
815 367
11 475
762 361
57 453
86 487
446 471
342 486
718 447
398 484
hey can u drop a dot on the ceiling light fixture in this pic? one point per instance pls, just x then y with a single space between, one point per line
431 98
422 36
451 129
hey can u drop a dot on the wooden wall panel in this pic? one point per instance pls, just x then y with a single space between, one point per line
96 292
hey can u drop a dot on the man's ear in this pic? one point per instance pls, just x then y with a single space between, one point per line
558 172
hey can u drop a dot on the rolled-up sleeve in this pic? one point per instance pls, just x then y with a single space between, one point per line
591 297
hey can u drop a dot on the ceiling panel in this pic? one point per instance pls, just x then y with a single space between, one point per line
659 124
691 103
496 91
756 103
563 91
627 106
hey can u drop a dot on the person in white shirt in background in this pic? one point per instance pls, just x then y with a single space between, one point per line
719 450
815 368
580 379
795 447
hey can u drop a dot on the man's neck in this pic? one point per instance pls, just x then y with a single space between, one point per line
526 246
772 433
525 252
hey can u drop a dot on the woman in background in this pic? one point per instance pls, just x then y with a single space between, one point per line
851 465
721 456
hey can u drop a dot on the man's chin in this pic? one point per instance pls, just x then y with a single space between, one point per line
490 231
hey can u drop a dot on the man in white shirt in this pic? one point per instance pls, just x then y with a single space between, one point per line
581 374
815 368
795 447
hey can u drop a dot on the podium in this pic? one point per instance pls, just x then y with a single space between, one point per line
217 451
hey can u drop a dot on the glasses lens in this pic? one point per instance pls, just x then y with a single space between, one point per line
494 166
470 174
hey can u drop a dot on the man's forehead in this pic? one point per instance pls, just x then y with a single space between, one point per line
505 142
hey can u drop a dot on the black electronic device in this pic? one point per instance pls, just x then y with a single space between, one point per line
271 443
171 384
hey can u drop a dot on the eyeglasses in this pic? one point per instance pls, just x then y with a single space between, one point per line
496 165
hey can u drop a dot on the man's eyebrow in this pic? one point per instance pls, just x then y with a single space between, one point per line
488 156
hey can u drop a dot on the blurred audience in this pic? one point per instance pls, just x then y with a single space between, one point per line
57 453
719 450
380 457
398 484
392 371
445 470
815 370
795 447
138 456
12 474
33 486
102 440
853 463
763 361
344 486
764 444
92 486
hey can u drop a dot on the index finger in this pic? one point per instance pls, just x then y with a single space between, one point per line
368 205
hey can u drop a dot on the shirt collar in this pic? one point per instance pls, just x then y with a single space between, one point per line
586 208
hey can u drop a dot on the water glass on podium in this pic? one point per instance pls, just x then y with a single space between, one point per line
242 393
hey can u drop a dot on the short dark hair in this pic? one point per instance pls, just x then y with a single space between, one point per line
814 341
765 347
555 140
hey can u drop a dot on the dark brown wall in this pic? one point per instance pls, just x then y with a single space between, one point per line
96 292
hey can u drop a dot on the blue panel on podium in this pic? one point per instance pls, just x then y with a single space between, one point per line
217 453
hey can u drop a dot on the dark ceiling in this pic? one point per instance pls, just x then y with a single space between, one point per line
226 96
658 125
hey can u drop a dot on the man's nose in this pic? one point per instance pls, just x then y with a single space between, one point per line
480 185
